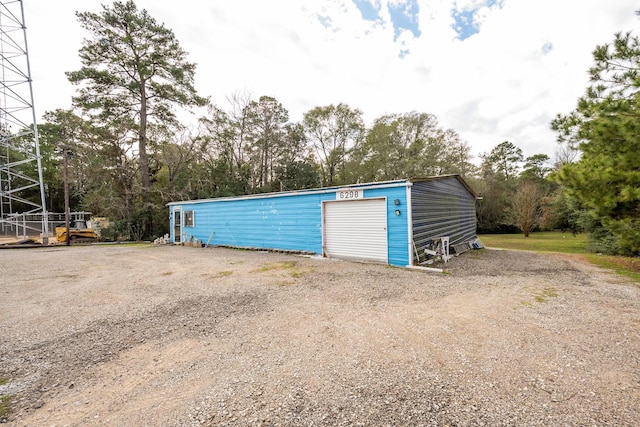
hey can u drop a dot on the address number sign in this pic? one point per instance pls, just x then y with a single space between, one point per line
349 194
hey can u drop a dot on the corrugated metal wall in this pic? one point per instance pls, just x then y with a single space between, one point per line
442 207
289 223
398 225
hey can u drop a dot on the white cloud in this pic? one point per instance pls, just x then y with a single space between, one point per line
528 62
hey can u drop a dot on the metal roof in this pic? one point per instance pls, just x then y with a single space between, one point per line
381 184
457 176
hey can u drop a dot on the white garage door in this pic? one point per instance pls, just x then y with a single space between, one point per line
356 229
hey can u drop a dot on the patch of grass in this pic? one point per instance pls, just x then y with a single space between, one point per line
5 405
3 381
224 273
625 266
167 273
289 266
282 265
546 294
565 243
541 297
551 241
218 274
137 245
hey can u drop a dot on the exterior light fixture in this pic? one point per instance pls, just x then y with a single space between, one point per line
396 202
397 212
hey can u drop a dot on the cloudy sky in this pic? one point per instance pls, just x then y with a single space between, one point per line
493 70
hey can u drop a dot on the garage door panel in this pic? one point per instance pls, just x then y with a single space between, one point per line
356 229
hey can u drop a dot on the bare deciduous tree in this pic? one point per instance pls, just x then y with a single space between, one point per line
525 206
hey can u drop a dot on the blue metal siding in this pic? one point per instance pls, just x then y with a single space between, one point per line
288 222
397 226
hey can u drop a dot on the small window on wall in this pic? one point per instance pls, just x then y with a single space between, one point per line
189 219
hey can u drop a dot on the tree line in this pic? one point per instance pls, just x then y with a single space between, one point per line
129 154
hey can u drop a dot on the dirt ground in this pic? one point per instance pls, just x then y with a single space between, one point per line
130 335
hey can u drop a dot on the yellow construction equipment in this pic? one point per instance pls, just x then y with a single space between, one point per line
78 233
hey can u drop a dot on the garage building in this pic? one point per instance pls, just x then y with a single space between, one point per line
389 222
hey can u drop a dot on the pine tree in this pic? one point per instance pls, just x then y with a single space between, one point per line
606 128
133 73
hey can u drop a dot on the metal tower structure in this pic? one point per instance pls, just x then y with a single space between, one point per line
22 195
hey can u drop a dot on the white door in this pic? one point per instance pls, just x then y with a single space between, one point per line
356 229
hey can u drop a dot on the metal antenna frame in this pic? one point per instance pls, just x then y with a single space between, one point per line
19 144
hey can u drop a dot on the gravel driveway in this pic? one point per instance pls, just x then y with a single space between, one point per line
126 335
